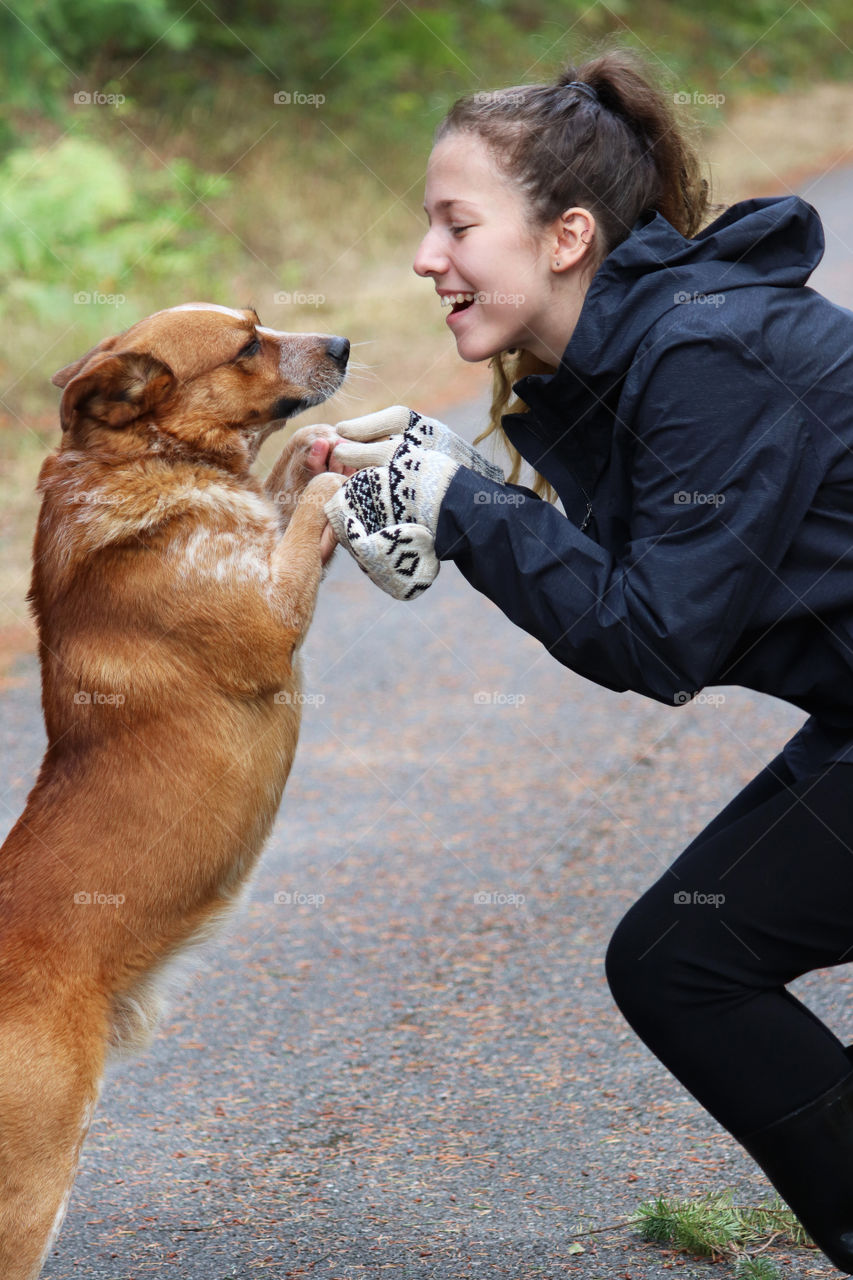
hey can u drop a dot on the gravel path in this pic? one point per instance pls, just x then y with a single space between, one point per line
403 1059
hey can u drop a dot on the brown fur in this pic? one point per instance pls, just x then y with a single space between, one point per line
172 590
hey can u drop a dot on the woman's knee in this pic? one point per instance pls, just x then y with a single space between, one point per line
642 960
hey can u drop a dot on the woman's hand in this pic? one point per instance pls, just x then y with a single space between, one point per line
372 441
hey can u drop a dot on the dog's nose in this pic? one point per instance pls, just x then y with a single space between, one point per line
338 349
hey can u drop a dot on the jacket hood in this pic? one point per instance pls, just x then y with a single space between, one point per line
776 241
770 241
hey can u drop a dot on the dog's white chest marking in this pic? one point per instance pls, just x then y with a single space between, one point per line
224 557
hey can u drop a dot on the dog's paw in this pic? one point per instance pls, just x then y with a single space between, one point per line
311 447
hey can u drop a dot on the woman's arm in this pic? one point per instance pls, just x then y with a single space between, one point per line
714 424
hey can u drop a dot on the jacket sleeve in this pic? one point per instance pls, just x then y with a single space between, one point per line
723 472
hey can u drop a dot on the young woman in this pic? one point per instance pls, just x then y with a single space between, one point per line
690 400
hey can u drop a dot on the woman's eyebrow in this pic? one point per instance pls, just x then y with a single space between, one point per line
442 205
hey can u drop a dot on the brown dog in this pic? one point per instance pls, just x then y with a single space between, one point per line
172 591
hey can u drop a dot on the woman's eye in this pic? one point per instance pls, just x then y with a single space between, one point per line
251 349
455 231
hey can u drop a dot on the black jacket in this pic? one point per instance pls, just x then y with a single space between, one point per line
699 433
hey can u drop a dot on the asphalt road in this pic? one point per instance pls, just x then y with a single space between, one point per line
412 1066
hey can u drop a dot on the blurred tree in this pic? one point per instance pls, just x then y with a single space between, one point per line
385 62
47 45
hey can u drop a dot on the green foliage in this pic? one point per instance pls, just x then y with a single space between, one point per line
397 65
755 1269
48 46
713 1227
74 220
707 1227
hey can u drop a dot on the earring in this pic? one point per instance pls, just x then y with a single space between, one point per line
556 262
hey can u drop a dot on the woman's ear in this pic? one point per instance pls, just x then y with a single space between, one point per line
573 238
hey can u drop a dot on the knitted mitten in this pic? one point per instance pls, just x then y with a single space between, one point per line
386 517
366 441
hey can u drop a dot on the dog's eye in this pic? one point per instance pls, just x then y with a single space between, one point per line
251 349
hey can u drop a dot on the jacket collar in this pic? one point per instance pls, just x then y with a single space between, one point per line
567 434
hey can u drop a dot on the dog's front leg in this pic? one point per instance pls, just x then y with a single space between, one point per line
292 470
296 563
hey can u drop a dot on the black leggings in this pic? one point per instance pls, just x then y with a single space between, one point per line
698 965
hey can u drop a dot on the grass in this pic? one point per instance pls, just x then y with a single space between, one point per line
714 1227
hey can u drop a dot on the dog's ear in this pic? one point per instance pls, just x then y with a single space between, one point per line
114 389
62 377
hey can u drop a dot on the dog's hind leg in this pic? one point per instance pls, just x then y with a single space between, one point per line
50 1071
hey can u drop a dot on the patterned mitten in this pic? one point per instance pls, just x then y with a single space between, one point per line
386 517
366 441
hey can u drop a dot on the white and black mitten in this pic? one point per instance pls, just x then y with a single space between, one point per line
386 517
372 440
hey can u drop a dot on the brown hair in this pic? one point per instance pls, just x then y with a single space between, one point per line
616 151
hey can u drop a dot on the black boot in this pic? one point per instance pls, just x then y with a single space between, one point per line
808 1156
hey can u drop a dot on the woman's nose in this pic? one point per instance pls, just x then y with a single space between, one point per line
429 259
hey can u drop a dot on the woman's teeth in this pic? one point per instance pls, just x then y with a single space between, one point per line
452 299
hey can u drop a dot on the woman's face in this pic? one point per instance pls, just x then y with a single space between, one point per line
481 242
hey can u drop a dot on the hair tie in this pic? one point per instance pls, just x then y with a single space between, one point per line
584 88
